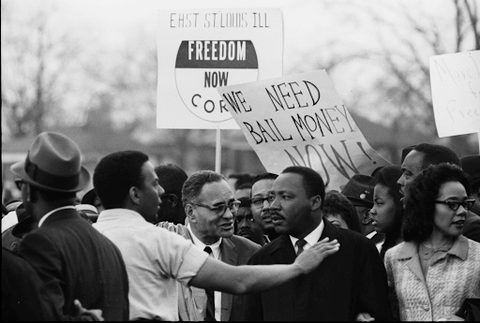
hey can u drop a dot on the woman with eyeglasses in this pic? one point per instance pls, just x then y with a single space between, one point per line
435 269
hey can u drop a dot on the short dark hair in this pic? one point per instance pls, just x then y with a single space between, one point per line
337 203
115 174
263 176
436 154
193 185
312 180
241 178
171 178
245 202
420 201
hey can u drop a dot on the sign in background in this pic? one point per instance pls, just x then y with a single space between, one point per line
301 120
455 81
200 50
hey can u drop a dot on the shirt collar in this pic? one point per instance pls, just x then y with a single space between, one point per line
312 237
53 211
215 246
459 249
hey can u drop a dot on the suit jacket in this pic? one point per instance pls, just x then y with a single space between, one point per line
234 251
75 261
349 282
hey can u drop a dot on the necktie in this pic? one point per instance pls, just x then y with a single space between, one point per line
210 315
300 243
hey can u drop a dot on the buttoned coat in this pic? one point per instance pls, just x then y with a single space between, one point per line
349 282
450 280
234 251
75 261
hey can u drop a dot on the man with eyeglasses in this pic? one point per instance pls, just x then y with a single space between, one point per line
210 207
261 187
157 259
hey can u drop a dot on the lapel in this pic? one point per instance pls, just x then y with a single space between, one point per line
228 255
408 252
282 250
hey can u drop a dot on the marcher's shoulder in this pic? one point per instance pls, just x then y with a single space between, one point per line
394 251
244 243
473 245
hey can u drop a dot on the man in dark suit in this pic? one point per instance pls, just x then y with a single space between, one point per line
73 260
213 228
350 284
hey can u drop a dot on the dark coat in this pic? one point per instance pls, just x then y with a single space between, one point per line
347 283
75 261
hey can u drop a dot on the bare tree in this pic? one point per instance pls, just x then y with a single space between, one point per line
393 80
36 55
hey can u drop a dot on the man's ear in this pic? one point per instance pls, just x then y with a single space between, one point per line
366 218
173 200
190 213
134 196
316 202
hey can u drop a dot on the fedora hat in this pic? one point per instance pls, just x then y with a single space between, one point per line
53 164
359 190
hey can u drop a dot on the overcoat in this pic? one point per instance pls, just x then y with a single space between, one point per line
75 261
349 282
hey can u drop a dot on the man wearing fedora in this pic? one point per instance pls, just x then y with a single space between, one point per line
73 260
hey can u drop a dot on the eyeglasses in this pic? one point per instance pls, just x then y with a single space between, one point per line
259 201
454 205
19 183
222 208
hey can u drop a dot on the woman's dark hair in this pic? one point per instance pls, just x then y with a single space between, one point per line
420 200
388 176
337 203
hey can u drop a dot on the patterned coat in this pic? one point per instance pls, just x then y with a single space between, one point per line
450 280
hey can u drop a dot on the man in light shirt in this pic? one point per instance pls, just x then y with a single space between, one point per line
156 259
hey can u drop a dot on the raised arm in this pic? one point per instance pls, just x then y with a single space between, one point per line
253 279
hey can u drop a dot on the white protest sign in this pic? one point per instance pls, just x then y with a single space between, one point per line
455 81
301 120
200 50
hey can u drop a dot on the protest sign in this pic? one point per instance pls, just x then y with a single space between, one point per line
455 81
200 50
301 120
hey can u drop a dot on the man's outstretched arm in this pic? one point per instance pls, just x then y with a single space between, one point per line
220 276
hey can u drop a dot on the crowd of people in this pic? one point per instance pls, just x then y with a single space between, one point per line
149 242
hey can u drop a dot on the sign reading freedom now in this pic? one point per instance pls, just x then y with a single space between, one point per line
300 120
200 50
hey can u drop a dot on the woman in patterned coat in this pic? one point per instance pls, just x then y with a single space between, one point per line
436 268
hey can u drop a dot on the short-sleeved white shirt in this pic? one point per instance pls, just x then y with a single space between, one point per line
155 259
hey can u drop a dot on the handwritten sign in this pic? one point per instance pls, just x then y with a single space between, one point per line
200 50
455 80
301 120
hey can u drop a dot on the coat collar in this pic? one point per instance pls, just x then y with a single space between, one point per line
408 251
